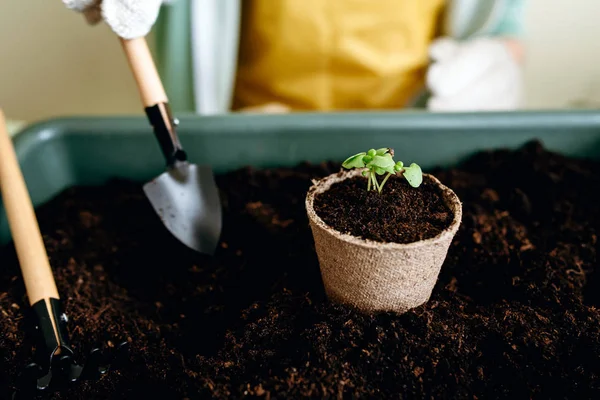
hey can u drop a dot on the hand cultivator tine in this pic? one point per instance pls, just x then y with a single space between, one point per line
98 364
28 382
63 372
121 356
95 366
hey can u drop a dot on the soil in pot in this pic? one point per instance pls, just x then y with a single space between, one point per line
513 315
399 214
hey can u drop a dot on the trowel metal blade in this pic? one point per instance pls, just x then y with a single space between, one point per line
186 199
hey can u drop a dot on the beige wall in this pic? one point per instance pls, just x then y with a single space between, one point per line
52 64
563 60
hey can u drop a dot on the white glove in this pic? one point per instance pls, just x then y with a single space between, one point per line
127 18
477 75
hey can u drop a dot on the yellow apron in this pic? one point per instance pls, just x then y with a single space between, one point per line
331 55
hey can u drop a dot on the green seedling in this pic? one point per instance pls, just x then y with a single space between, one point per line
381 162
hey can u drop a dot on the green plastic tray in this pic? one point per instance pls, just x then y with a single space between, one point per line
60 153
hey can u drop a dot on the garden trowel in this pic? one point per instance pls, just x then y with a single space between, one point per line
185 196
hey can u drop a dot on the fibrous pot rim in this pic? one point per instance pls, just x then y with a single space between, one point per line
322 185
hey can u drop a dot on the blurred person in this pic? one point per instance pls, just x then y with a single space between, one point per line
218 56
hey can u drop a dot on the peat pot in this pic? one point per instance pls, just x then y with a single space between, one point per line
375 276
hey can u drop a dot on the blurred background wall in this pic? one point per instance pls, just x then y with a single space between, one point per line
52 64
563 53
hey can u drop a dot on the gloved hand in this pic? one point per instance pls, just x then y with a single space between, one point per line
483 74
127 18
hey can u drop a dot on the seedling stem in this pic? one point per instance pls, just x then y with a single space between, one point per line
379 162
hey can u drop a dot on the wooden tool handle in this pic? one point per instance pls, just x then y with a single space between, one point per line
26 234
148 81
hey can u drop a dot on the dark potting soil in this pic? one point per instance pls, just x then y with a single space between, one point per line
399 214
513 315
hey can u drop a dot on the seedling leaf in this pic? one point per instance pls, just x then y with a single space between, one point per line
355 161
413 175
386 161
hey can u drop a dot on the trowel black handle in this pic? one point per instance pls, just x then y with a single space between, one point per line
154 98
164 125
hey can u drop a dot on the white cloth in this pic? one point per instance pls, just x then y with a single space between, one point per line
477 75
127 18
